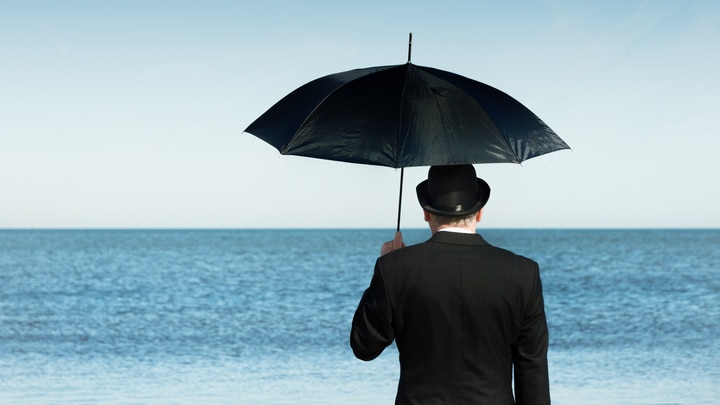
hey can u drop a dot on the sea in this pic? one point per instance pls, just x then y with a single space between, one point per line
263 316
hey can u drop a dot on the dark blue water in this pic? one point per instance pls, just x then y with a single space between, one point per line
263 316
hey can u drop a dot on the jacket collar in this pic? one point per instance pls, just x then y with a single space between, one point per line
458 238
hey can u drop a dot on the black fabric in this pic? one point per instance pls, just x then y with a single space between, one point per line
464 315
401 116
452 191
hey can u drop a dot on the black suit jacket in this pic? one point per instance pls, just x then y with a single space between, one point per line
463 314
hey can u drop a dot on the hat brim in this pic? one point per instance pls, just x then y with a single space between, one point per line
423 198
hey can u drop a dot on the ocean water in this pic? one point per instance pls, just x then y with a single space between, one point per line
263 316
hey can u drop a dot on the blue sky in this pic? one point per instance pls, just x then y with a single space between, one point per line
130 114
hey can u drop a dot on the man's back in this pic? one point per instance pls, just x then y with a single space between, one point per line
463 313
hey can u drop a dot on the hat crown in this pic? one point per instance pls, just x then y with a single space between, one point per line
453 190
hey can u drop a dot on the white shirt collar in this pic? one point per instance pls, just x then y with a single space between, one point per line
456 230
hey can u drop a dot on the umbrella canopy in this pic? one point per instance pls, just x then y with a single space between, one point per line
402 116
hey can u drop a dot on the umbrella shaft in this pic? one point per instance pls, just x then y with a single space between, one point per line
402 174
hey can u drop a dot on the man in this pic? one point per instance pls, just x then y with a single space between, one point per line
463 313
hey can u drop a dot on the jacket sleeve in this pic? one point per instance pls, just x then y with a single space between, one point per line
530 351
372 329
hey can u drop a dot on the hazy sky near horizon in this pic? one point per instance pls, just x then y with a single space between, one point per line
130 114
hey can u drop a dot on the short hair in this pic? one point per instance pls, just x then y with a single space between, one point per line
448 220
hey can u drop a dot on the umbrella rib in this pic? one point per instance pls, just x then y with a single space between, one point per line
499 131
507 142
398 133
293 141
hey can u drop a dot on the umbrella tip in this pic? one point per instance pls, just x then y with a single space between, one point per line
409 46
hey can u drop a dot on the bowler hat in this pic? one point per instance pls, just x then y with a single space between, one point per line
452 191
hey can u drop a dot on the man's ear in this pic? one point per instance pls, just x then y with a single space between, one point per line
479 215
426 214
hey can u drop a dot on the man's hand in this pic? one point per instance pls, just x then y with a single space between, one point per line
394 244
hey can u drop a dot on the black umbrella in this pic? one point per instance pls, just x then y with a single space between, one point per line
402 116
